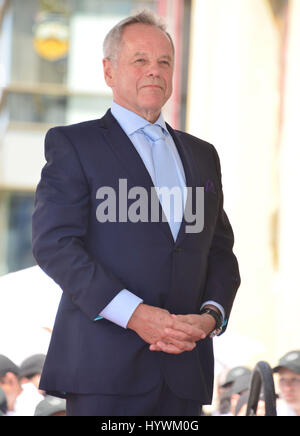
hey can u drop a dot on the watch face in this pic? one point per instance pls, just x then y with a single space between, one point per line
215 332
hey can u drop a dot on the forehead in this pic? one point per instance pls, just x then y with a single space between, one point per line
145 38
285 372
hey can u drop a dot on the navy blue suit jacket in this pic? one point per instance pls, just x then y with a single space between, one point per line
92 262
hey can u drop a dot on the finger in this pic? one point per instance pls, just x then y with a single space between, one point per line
176 334
169 348
180 345
182 318
191 329
154 347
186 324
174 348
184 345
185 327
186 333
163 347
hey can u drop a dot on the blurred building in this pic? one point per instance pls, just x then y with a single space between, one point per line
243 97
236 85
51 74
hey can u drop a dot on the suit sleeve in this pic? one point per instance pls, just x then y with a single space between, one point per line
59 226
223 278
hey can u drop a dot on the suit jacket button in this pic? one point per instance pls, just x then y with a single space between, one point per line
177 249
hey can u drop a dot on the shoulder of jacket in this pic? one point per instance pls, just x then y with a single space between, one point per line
82 126
194 140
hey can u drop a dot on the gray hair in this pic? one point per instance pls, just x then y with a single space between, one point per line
113 39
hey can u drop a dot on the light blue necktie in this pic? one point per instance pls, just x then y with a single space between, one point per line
166 176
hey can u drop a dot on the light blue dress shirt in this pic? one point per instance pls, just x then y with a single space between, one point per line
120 309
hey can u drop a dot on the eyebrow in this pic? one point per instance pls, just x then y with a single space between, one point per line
142 53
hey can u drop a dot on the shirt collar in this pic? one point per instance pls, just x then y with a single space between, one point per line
130 121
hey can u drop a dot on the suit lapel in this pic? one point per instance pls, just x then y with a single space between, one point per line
125 152
191 175
186 158
129 158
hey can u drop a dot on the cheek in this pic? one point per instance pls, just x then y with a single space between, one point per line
132 81
169 82
170 86
124 89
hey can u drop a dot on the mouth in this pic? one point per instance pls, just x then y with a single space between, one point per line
153 86
289 398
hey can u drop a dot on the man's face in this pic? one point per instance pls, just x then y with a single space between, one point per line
289 383
141 78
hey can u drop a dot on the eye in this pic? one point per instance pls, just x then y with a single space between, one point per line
165 63
140 60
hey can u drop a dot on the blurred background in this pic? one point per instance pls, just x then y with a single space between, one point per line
236 85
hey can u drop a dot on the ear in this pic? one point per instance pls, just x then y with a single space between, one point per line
108 72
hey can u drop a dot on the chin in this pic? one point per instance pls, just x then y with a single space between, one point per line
152 104
153 97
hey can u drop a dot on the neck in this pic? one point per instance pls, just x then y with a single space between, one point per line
297 410
149 115
152 117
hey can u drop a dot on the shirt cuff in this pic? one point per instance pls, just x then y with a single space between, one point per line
218 306
120 309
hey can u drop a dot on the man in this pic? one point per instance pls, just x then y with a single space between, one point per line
10 383
3 403
288 371
31 369
236 382
51 406
22 398
129 338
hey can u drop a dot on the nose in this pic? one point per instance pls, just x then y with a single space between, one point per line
153 70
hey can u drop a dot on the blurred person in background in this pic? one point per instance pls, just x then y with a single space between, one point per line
222 395
241 406
3 403
239 387
236 382
29 376
288 371
10 383
22 396
51 406
31 370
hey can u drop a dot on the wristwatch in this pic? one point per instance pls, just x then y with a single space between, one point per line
219 323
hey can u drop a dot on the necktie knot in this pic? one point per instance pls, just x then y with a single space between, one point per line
154 132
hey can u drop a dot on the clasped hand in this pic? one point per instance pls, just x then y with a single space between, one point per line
173 334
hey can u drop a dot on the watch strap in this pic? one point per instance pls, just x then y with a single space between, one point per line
215 315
